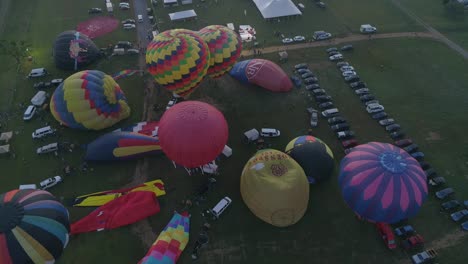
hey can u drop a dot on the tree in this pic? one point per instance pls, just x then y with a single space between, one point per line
18 50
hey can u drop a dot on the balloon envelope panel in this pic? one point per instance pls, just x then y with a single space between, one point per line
382 183
74 49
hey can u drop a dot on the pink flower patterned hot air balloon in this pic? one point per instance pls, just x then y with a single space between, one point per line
382 183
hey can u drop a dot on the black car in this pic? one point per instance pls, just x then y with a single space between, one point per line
124 45
42 85
311 80
326 105
341 64
128 21
346 47
340 127
352 78
318 91
307 75
437 181
404 142
366 97
359 84
392 127
336 120
303 71
450 205
396 134
313 86
348 150
411 148
430 173
323 98
300 66
331 49
424 165
94 10
380 115
417 155
296 81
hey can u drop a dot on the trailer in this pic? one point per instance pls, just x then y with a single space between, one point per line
424 257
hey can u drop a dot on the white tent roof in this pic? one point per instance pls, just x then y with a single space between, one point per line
6 136
277 8
4 149
183 14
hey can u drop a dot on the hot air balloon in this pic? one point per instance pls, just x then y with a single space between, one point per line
178 60
34 227
225 48
314 156
122 146
263 73
192 133
146 128
382 183
275 188
89 100
170 242
74 50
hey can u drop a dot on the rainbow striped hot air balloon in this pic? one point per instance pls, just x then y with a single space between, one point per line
89 100
170 242
34 227
382 183
225 48
178 60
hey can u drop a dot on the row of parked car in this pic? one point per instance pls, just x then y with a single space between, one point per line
317 35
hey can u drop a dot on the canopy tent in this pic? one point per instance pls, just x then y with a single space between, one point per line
182 15
4 149
6 136
277 8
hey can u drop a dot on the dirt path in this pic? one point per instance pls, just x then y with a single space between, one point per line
347 39
4 7
432 30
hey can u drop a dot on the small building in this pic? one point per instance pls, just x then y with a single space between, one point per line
183 15
186 2
170 3
271 9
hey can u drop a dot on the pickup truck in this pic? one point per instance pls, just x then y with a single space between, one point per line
424 257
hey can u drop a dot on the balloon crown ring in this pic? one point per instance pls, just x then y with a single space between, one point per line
393 161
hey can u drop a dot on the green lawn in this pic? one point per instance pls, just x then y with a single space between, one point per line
420 82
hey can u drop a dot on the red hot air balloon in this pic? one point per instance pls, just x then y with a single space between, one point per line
192 133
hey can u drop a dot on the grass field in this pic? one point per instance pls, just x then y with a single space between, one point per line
421 83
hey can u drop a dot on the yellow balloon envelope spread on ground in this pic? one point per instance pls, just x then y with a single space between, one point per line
275 188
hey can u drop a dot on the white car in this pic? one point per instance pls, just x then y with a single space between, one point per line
47 183
299 38
171 103
124 7
56 82
287 40
270 132
348 73
336 57
29 113
347 68
129 26
374 108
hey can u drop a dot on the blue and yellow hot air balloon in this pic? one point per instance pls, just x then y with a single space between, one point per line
178 60
89 100
34 227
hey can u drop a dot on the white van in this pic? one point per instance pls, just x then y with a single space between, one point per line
270 132
42 132
140 19
330 112
39 98
220 207
29 113
366 28
47 148
39 72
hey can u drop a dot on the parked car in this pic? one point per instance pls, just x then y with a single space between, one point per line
128 21
371 102
464 226
56 82
304 70
465 203
287 40
43 132
397 135
312 87
124 7
323 98
411 148
361 91
379 116
42 85
367 29
345 134
314 118
352 78
331 53
393 127
330 112
321 35
445 193
270 132
299 38
347 68
457 216
424 165
326 105
29 113
331 49
437 181
300 66
359 84
404 142
424 257
47 148
348 150
50 182
320 4
413 241
450 205
341 64
94 10
336 57
336 120
307 75
366 97
340 127
374 108
348 73
387 235
318 91
311 80
404 231
417 155
346 47
296 81
124 44
349 143
386 122
430 173
171 103
129 26
38 72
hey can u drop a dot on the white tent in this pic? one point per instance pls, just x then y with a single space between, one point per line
277 8
4 149
182 15
6 136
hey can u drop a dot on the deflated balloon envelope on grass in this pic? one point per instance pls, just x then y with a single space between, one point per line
74 50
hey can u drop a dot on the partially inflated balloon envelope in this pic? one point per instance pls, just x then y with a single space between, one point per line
275 188
314 156
263 73
225 48
178 60
74 50
382 183
89 100
193 133
122 146
34 227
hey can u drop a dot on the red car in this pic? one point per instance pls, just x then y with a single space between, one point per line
349 143
412 241
385 230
